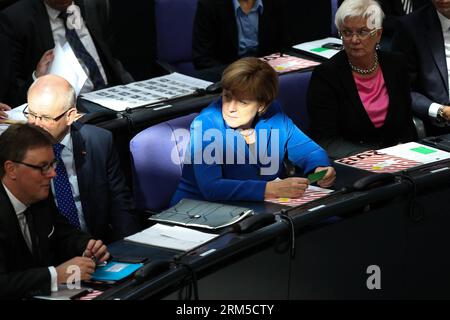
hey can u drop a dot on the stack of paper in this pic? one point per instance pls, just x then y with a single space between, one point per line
283 63
320 48
172 237
311 194
146 92
394 159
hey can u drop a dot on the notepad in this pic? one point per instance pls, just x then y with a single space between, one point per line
202 214
115 271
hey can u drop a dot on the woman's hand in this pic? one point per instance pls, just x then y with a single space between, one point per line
4 107
286 188
328 179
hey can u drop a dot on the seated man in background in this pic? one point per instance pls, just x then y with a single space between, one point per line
90 188
360 99
226 30
34 237
238 144
424 39
34 26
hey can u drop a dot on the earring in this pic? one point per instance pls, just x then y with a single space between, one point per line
377 47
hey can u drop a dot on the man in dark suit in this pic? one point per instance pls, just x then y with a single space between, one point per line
224 33
5 74
423 37
99 201
33 27
34 237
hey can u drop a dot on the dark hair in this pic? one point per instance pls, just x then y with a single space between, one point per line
18 139
253 78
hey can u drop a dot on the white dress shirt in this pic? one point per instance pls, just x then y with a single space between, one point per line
19 209
69 162
59 36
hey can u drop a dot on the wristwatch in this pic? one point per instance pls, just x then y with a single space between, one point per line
441 114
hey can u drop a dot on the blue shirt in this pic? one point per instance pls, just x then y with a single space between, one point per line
247 25
240 172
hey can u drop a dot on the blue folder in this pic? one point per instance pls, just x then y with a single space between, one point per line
115 271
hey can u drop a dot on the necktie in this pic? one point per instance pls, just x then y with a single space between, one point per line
407 6
25 231
82 54
63 191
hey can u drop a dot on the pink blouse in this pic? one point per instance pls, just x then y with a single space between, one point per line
374 96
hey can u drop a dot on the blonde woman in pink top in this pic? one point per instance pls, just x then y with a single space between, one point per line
360 99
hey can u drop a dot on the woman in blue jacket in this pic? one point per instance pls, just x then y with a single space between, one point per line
238 144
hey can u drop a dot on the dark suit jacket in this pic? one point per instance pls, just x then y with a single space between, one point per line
338 120
215 37
6 75
23 274
393 9
419 37
27 25
105 198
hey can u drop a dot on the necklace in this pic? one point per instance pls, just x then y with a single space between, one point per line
365 71
246 132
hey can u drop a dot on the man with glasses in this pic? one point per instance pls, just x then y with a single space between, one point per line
90 188
34 237
424 38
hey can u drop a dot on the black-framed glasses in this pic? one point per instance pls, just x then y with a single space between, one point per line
44 168
33 117
362 34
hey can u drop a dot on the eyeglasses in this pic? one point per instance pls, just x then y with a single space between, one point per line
33 117
45 169
362 34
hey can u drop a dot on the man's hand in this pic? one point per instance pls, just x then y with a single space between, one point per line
286 188
4 107
44 63
446 111
96 250
86 266
329 177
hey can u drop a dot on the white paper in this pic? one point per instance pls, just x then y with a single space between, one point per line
65 64
309 46
407 151
137 94
15 114
172 237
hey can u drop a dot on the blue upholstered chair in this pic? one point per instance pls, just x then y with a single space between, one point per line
292 95
157 155
174 20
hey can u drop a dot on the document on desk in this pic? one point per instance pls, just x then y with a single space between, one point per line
311 194
396 158
147 92
320 47
283 63
202 214
171 237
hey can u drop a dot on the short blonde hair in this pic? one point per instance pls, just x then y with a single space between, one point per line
369 9
251 78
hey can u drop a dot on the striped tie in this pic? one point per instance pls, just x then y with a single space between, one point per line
407 6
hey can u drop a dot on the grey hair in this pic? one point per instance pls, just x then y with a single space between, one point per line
369 9
71 98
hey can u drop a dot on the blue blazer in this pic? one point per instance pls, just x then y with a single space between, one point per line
225 179
105 198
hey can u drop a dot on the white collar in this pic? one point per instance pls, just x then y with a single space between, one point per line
18 206
67 142
445 22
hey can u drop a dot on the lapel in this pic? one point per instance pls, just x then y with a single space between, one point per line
44 30
436 43
230 25
8 217
346 77
79 154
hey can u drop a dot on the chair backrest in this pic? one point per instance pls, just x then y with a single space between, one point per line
292 95
334 7
174 21
157 155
